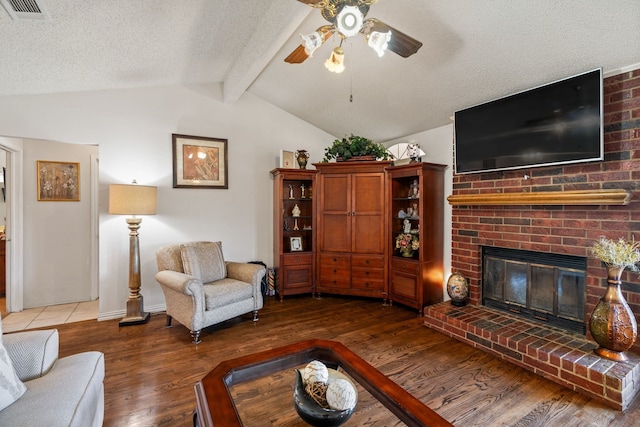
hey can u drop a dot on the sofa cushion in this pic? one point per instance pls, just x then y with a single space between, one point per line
69 395
203 260
11 388
33 353
225 292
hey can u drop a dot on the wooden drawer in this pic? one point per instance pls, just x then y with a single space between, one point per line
298 259
335 261
367 261
367 278
334 271
405 266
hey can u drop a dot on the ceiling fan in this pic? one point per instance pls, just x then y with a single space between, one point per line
347 19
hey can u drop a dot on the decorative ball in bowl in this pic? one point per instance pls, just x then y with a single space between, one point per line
323 397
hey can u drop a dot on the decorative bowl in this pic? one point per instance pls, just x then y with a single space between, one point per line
314 414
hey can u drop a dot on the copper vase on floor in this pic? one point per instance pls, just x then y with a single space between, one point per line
613 324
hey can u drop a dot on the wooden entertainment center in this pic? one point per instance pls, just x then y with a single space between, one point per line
348 221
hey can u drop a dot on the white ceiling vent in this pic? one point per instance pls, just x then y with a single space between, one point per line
26 10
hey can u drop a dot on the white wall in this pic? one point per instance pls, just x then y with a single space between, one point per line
133 131
438 147
57 266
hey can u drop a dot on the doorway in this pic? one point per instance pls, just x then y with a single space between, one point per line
22 211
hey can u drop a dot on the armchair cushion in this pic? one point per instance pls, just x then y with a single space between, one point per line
226 292
203 260
11 388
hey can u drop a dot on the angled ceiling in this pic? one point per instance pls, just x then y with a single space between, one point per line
473 51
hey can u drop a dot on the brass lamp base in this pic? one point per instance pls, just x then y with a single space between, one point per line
136 320
135 313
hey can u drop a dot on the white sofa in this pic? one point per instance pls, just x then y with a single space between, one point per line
59 392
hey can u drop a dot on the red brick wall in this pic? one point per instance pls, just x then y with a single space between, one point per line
561 229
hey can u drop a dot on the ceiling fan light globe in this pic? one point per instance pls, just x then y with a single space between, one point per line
349 21
335 63
311 42
379 41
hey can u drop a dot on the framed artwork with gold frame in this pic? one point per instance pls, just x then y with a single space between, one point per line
58 181
199 162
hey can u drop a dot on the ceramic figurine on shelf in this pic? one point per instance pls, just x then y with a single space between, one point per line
290 191
407 226
295 211
302 191
415 211
413 189
414 152
295 224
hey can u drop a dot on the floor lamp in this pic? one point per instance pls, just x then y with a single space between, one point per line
132 199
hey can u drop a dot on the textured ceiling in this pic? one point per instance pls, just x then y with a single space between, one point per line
473 51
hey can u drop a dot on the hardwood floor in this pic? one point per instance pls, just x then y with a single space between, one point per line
151 370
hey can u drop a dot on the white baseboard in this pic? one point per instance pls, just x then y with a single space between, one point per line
119 314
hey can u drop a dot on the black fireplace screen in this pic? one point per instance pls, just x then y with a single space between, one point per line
542 286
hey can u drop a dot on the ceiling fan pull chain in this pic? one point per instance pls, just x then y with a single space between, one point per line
351 89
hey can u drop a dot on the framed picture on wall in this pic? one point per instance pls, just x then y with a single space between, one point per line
199 162
58 181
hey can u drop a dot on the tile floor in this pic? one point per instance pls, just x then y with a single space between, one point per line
40 317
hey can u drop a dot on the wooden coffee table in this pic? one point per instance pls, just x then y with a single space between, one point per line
216 406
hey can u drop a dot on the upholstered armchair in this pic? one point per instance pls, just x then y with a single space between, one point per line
202 289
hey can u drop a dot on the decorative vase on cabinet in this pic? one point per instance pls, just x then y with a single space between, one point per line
293 230
416 212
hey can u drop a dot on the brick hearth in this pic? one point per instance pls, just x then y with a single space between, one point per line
565 358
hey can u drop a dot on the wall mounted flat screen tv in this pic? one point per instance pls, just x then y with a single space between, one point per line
557 123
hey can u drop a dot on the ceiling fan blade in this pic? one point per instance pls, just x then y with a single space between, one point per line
315 3
298 56
400 43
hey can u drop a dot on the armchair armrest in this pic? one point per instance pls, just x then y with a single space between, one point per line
249 273
245 272
33 353
180 282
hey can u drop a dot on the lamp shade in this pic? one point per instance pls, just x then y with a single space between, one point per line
131 199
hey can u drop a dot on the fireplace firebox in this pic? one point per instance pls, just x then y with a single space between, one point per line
546 287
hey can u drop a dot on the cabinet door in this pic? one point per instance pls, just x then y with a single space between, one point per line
404 279
297 278
367 213
335 208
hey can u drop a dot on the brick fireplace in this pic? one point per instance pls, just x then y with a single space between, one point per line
558 229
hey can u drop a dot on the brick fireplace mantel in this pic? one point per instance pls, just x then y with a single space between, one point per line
576 197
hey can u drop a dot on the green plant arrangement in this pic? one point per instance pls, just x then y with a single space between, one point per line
355 146
617 253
